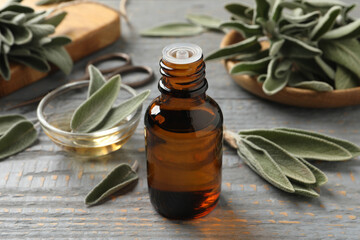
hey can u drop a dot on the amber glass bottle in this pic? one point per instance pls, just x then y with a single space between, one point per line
183 135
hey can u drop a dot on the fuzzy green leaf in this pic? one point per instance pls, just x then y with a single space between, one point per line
57 41
41 30
261 11
351 30
345 79
314 85
276 46
320 176
324 3
264 165
352 148
274 84
245 29
20 136
4 65
246 46
242 12
33 61
252 56
6 36
17 7
290 166
97 80
7 121
325 23
252 68
60 57
204 20
21 34
345 52
93 111
303 145
294 48
55 19
325 67
304 190
173 30
123 110
117 179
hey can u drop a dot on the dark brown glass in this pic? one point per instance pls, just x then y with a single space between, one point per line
183 135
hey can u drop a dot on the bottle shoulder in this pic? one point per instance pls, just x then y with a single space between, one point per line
184 115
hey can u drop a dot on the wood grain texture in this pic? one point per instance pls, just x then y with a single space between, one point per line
42 189
91 26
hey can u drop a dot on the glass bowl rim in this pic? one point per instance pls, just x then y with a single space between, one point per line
64 88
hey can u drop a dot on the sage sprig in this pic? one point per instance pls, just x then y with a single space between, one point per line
16 134
25 39
314 39
281 156
97 113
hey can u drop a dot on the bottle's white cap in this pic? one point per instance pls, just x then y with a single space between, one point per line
182 53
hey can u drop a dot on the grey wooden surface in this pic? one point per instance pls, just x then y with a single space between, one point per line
42 189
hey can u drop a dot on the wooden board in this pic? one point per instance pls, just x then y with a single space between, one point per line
90 25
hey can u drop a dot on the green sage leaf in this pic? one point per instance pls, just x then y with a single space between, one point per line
242 12
325 23
173 30
20 136
345 52
120 112
204 20
305 18
351 30
21 34
345 79
264 165
275 47
352 148
294 48
41 30
60 57
17 7
55 19
303 146
274 84
117 179
6 36
33 61
251 68
57 41
314 85
320 176
248 57
93 111
245 29
261 11
324 3
4 65
97 80
246 46
290 166
7 121
304 190
325 67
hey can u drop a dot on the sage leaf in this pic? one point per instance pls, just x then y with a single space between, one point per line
41 30
290 166
21 34
345 79
204 21
264 165
273 84
242 12
325 23
294 48
117 179
345 52
320 176
261 11
17 7
251 68
57 41
55 19
325 67
246 46
303 145
60 57
351 30
261 78
314 85
119 113
275 47
7 121
4 65
245 29
306 18
252 56
352 148
173 30
324 3
33 61
93 111
6 36
47 2
20 136
97 80
304 190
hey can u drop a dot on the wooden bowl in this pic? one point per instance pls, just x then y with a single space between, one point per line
289 95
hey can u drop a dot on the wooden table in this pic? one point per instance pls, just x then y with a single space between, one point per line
42 189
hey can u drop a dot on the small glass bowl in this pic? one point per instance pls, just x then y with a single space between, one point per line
56 109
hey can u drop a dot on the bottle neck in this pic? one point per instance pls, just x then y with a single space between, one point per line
183 80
